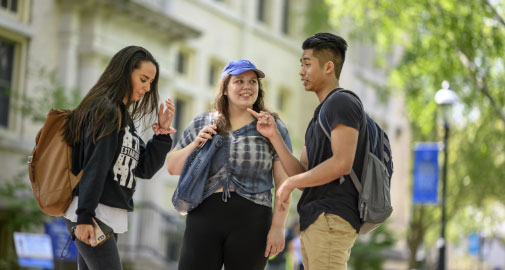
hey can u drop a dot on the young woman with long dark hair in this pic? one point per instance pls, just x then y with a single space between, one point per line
108 150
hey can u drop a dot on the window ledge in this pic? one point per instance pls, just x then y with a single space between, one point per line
16 26
12 143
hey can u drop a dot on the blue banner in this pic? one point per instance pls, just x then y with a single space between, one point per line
474 244
426 171
60 239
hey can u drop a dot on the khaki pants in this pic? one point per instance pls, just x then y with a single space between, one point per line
326 244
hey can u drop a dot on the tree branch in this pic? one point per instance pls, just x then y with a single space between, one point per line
495 12
481 83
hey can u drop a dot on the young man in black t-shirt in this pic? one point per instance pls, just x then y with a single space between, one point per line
328 207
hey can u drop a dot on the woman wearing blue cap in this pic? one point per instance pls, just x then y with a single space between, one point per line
234 225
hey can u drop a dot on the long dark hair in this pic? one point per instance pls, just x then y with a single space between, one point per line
100 109
221 105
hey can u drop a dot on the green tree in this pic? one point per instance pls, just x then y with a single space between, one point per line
459 41
20 212
368 252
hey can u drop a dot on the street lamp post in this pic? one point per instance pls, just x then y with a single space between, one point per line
445 98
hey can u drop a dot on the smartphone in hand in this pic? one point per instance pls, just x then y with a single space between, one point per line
100 235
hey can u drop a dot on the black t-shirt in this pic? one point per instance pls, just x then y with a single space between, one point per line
333 198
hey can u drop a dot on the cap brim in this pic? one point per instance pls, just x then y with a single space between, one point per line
242 70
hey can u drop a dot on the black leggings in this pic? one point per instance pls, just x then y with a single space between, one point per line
232 233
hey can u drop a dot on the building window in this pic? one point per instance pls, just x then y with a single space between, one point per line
180 106
182 62
6 71
261 16
212 75
285 17
222 2
215 69
9 5
19 10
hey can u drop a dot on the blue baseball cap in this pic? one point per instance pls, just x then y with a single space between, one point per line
236 67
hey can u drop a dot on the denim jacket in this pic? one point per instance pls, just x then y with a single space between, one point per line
243 163
190 188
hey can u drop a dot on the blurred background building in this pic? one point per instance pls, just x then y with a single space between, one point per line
67 43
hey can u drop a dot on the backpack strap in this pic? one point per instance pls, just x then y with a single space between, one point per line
387 149
354 177
376 131
382 144
323 122
325 126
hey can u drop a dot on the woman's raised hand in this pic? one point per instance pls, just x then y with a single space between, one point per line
166 115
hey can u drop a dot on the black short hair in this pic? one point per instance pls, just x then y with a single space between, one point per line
328 47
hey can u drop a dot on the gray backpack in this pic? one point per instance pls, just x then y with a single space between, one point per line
374 203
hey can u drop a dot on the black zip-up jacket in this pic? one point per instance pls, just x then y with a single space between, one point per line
110 167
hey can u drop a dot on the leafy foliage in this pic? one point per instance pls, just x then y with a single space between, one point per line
367 252
18 209
49 94
459 41
22 211
19 212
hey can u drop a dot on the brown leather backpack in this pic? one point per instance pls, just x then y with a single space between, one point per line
50 165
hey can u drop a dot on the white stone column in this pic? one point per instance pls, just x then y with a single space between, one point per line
276 15
90 69
248 11
68 43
